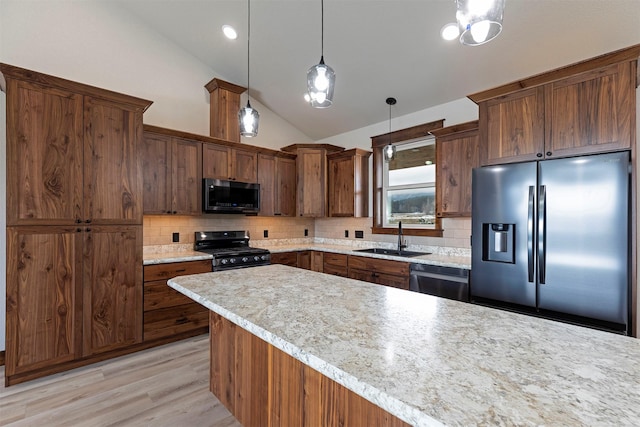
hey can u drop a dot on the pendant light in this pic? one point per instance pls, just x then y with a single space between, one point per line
479 21
321 78
247 116
389 151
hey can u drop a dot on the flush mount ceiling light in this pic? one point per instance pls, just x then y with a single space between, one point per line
479 21
247 116
321 78
389 151
450 31
229 32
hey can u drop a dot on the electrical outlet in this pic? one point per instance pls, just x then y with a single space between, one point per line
266 233
176 237
306 232
346 233
359 234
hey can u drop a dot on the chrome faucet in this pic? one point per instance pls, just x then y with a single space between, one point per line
400 245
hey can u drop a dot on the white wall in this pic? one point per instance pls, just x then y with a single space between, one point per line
98 44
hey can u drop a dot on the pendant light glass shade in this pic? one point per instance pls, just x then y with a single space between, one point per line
249 119
479 21
321 79
389 151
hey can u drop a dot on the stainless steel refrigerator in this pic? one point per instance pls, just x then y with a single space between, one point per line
553 237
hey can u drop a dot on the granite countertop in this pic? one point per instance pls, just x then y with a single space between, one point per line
451 259
429 360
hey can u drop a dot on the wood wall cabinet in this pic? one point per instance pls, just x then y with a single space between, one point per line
229 163
224 106
277 179
380 271
311 170
74 223
457 153
335 264
348 183
172 174
169 315
584 108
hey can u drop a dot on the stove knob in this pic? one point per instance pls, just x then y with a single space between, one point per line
232 260
245 259
224 261
264 257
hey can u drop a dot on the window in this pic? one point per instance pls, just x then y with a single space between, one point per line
405 189
409 186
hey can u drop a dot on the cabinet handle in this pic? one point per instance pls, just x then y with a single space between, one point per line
539 155
549 153
182 270
277 214
88 229
168 212
174 212
78 229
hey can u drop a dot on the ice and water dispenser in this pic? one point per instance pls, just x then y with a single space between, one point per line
498 242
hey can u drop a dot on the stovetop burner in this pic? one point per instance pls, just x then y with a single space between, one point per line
230 249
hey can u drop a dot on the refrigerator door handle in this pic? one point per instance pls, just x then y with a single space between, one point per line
542 233
530 225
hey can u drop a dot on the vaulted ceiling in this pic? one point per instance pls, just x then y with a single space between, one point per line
382 48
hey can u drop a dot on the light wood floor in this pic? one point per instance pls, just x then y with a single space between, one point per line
163 386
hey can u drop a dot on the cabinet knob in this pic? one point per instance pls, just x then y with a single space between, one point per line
78 230
78 220
88 229
174 212
539 155
549 153
168 212
88 221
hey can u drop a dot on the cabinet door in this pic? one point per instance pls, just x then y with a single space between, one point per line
156 173
335 264
311 182
455 159
591 112
245 165
285 186
112 288
216 161
186 177
44 154
44 297
513 126
112 176
267 181
341 186
317 261
304 260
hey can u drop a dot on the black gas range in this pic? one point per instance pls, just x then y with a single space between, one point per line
230 249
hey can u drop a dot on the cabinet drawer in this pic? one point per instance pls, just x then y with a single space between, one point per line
171 270
379 265
158 294
285 258
170 321
336 260
336 271
401 282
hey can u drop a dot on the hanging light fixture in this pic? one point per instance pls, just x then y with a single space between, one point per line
479 21
389 151
321 78
248 117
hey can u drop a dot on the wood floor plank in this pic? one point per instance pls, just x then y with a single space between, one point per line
162 386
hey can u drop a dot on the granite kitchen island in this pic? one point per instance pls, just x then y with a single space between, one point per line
425 360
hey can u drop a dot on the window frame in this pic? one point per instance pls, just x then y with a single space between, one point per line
399 137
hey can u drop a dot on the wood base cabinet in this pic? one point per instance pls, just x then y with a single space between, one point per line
72 293
263 386
380 271
167 313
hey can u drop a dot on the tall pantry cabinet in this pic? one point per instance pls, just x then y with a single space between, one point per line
74 223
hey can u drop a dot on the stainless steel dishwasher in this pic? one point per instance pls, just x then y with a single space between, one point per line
445 282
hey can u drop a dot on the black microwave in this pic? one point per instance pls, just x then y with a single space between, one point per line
222 196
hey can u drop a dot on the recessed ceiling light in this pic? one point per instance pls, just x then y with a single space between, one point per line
450 31
229 32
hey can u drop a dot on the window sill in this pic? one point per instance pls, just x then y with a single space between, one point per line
408 231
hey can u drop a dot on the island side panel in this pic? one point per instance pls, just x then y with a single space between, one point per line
263 386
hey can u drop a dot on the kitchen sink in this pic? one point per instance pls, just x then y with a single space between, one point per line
394 252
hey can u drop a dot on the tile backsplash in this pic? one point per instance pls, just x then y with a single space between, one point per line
160 229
